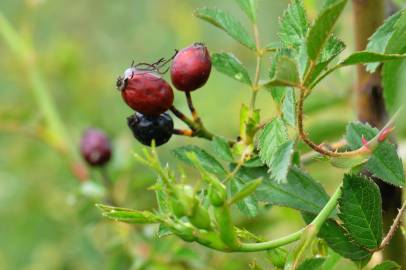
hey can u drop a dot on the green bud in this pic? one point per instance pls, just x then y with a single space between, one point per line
182 201
217 194
200 217
277 256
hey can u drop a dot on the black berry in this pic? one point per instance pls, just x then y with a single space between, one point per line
191 68
95 147
147 128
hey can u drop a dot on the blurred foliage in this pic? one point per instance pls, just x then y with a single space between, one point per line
48 219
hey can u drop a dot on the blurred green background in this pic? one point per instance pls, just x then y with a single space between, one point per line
47 218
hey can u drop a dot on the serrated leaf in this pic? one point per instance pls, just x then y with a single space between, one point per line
312 264
128 215
300 191
272 136
229 65
338 240
360 208
227 23
289 107
281 161
370 57
293 25
333 48
208 162
387 265
379 40
222 149
286 73
384 162
249 205
249 7
321 29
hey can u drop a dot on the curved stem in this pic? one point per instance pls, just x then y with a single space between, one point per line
315 226
362 150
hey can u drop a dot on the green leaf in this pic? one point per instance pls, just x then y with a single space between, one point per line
391 71
128 215
289 107
321 29
272 136
392 81
163 231
299 192
293 25
312 264
360 208
333 48
208 162
380 39
338 240
249 205
222 149
370 57
246 190
278 94
227 23
384 162
387 265
253 162
249 7
229 65
282 161
286 73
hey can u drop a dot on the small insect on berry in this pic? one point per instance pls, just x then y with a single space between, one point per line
148 128
191 68
145 91
95 147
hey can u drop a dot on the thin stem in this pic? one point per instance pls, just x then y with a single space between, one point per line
183 132
192 109
189 122
108 185
393 228
315 225
259 54
326 152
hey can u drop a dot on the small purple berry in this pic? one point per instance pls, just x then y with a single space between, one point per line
95 147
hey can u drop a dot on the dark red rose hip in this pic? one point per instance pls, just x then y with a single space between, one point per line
191 68
95 147
148 128
145 92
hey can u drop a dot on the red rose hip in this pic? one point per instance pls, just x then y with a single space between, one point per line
145 92
191 68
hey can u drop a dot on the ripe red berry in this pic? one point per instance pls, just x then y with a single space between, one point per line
148 128
145 91
191 68
95 147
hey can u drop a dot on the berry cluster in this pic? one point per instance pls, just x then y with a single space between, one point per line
145 91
